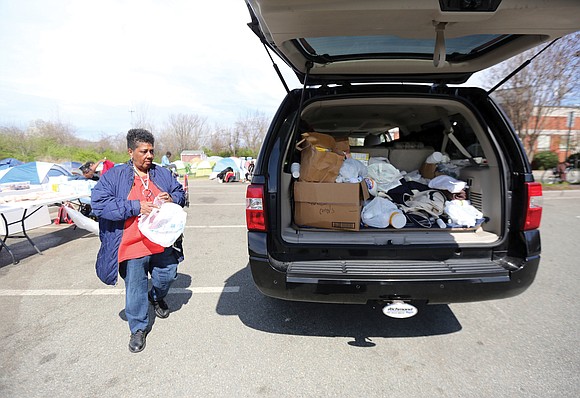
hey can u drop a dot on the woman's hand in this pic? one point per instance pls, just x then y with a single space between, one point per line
164 196
147 207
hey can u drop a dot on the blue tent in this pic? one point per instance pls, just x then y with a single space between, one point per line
224 163
9 162
33 172
71 166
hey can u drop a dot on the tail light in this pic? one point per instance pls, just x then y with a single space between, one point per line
255 211
534 206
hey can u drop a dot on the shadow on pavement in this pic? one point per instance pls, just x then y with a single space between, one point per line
360 322
44 240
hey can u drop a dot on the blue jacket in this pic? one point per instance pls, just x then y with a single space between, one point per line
110 204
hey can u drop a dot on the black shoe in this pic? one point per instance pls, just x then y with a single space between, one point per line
161 307
137 341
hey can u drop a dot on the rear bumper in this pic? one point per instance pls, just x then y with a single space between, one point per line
434 289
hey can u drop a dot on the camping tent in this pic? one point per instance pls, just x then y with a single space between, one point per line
234 163
72 166
9 162
33 172
223 164
181 167
203 168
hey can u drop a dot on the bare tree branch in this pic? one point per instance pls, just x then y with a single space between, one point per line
547 82
184 131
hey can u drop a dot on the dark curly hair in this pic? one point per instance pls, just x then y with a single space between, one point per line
136 136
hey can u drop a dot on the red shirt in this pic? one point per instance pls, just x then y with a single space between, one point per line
133 243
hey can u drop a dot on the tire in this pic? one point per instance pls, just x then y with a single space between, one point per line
573 176
548 177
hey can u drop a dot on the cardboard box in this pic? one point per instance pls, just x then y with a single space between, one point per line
329 205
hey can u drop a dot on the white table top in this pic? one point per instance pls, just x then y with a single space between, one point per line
40 199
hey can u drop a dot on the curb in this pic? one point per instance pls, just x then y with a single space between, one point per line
569 193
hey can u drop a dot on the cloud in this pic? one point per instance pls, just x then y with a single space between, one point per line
89 63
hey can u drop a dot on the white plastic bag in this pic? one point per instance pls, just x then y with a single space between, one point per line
163 225
377 213
82 221
385 175
462 212
447 183
352 171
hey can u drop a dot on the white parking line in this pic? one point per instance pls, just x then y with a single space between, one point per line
215 226
217 204
111 292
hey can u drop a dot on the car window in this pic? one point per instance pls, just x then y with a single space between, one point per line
353 46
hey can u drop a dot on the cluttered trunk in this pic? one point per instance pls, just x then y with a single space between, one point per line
392 171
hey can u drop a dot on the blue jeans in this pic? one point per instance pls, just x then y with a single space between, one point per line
163 270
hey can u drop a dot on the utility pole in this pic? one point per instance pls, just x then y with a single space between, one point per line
131 112
570 123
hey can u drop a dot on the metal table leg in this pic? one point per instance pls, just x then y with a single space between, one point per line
3 241
24 217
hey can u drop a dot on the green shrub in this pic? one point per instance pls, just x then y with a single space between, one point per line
545 160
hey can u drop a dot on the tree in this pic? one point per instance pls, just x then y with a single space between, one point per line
531 95
220 141
184 131
252 129
14 143
60 133
141 118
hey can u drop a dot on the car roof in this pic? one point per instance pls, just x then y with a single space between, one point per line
401 40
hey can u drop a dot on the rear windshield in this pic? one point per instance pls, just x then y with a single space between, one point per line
353 47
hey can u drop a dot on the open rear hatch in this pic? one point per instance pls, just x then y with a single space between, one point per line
401 40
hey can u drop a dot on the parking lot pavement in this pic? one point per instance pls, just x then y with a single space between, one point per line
64 333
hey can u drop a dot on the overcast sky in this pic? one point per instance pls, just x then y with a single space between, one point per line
89 63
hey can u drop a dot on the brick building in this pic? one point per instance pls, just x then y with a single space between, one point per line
556 136
188 156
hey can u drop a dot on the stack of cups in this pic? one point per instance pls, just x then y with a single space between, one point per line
295 169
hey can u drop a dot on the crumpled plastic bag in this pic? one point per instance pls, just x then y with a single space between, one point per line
385 175
462 212
447 183
378 159
163 225
82 221
377 212
352 171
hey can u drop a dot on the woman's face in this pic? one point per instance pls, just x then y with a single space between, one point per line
142 155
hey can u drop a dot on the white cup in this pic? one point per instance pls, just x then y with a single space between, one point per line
295 169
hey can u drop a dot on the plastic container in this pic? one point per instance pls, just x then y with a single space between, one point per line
397 219
434 158
295 169
371 186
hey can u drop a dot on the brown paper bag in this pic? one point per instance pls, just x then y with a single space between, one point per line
342 145
318 162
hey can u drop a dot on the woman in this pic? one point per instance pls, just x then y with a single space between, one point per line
120 196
